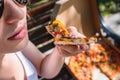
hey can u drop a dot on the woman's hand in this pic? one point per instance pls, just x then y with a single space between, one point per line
71 50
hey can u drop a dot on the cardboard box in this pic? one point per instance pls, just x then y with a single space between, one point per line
83 14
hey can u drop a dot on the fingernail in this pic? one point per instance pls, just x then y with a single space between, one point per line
72 36
84 47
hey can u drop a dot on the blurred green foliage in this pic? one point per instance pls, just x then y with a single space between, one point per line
108 7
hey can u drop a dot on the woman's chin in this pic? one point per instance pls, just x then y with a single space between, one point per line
21 46
14 48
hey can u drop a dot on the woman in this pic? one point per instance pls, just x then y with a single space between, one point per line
19 58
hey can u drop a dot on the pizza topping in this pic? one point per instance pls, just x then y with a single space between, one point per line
56 26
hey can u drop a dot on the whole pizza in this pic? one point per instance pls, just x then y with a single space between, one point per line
98 56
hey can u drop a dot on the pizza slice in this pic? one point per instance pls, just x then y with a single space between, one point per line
97 57
62 36
80 67
111 67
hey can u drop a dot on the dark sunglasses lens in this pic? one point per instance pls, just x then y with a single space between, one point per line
1 7
22 2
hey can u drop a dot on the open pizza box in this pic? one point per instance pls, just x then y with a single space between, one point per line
83 14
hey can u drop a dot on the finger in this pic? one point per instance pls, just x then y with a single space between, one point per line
74 32
63 52
84 47
72 28
67 54
72 49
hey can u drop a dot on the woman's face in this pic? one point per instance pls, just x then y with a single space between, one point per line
13 27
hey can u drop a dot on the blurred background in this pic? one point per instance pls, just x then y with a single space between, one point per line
109 12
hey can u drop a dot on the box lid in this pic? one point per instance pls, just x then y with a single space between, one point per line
76 13
83 14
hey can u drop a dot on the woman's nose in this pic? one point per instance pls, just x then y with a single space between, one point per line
13 13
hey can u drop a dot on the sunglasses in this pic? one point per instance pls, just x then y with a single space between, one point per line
18 2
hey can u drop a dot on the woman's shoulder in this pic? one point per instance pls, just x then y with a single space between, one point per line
28 66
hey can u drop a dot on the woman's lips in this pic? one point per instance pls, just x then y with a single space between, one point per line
19 35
